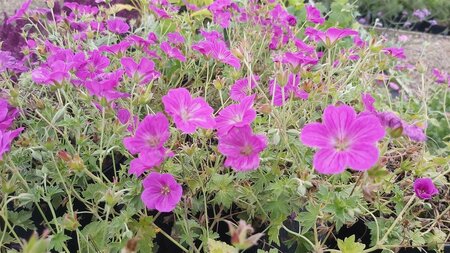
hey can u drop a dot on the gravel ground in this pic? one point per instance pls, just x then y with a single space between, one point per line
431 50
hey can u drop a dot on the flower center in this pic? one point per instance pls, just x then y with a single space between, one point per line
341 144
246 150
91 68
237 118
153 141
185 114
165 190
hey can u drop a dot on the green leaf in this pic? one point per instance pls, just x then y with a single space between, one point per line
222 186
349 245
274 231
57 241
21 219
417 238
307 219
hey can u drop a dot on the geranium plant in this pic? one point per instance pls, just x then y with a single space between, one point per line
217 126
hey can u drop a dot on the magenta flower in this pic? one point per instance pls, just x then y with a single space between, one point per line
8 62
123 115
344 140
243 88
220 52
161 192
368 102
329 37
7 114
105 88
53 73
236 115
117 25
120 47
188 113
151 134
298 59
211 35
441 76
20 12
175 38
313 15
396 52
279 36
391 120
303 47
280 16
144 71
6 138
241 148
421 14
424 188
159 12
220 10
414 132
359 42
280 94
80 10
93 67
147 160
204 47
172 52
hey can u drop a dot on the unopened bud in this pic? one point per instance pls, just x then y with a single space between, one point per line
397 132
50 4
265 109
70 222
76 164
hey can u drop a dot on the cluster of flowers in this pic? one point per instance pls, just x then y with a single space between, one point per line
11 29
236 141
7 115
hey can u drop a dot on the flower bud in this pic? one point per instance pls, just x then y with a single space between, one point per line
218 84
397 132
265 109
70 222
76 163
50 4
64 155
111 198
8 187
131 246
238 53
240 235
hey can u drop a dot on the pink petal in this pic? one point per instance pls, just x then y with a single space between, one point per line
366 128
338 119
315 135
328 161
362 156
